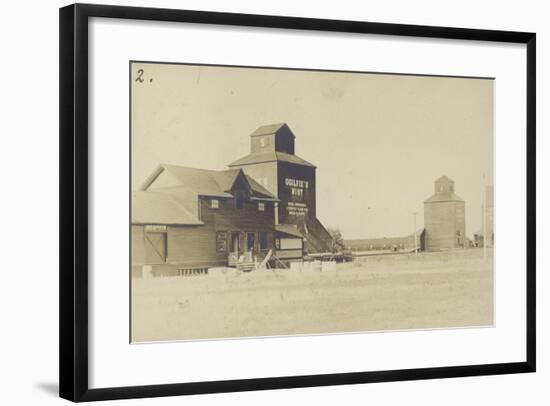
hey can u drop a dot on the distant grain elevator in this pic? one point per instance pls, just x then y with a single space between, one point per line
444 217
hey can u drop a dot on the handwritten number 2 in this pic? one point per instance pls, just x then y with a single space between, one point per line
140 74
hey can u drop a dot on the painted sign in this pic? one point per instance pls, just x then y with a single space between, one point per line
296 209
302 184
155 229
297 187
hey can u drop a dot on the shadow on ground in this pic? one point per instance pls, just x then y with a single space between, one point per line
51 388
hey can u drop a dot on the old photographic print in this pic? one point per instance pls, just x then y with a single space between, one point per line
279 202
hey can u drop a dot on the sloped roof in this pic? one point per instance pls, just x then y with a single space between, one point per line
259 189
444 178
225 179
444 197
289 229
160 208
177 203
270 129
272 156
203 182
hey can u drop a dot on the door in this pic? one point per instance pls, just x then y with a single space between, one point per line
155 247
235 242
250 239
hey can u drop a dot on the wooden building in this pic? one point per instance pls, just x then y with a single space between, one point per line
272 162
444 217
395 244
186 218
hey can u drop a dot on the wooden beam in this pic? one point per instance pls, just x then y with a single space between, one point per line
151 178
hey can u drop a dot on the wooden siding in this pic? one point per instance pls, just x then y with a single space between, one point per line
194 246
264 173
291 244
268 141
138 245
288 254
442 222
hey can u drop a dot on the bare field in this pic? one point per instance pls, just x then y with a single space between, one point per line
392 292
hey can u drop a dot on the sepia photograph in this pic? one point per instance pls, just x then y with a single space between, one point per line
280 202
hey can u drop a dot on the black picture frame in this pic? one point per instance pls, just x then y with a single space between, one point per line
73 280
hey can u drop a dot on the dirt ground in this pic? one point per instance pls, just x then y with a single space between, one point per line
390 292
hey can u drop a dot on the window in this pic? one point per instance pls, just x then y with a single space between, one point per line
264 141
278 243
263 240
250 238
261 206
215 204
221 241
239 199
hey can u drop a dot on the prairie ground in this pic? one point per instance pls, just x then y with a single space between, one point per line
389 292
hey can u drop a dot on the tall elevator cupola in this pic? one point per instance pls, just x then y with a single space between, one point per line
273 163
444 184
272 138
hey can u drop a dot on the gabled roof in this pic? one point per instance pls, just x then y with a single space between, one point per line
160 208
202 181
225 179
444 197
272 156
270 129
259 189
176 203
444 178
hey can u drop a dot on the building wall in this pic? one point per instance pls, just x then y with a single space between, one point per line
280 178
138 240
264 173
297 192
227 217
137 249
284 142
263 143
442 221
196 246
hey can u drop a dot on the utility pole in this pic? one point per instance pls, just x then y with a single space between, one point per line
415 243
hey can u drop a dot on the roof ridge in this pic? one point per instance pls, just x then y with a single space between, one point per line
270 156
267 129
444 197
189 167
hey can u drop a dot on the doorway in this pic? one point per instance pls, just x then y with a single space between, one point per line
235 242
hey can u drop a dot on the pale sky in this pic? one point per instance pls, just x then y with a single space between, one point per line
378 141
